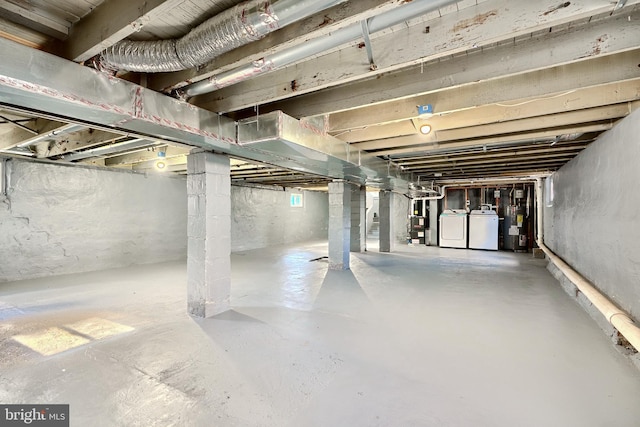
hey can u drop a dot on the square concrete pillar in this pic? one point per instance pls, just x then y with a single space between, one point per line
339 225
209 233
386 221
358 218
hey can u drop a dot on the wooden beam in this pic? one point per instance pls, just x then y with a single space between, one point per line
320 25
492 161
35 18
522 138
599 74
581 99
492 154
542 51
151 164
453 34
23 35
146 155
111 22
480 175
611 112
506 166
76 141
15 136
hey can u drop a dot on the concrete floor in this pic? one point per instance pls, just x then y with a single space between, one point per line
420 337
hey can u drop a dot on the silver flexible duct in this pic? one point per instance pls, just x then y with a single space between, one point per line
312 47
228 30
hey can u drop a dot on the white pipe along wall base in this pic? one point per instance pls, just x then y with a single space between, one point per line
615 316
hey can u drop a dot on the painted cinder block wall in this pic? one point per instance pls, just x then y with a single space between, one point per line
263 217
593 222
401 205
57 219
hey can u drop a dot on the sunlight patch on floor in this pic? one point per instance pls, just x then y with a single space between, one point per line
55 340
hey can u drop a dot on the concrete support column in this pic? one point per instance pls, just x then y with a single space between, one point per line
358 218
209 233
386 221
339 225
433 222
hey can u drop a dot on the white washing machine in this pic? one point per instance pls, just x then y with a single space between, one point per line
483 229
453 229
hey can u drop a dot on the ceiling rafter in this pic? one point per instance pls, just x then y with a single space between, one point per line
593 76
512 86
319 25
443 40
111 22
556 121
492 154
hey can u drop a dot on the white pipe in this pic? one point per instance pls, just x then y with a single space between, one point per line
17 152
615 316
312 47
482 182
618 318
118 147
540 211
443 191
63 130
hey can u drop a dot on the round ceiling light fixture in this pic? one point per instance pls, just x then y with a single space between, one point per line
425 129
160 165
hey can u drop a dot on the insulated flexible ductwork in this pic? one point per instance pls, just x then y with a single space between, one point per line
312 47
228 30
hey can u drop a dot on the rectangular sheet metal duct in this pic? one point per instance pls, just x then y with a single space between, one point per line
308 144
46 84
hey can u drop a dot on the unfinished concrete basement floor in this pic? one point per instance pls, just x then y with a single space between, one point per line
420 337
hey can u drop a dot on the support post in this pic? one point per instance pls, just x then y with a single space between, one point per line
339 225
386 221
209 233
358 218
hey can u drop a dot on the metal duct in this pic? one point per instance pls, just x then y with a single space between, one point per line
307 148
228 30
28 82
313 47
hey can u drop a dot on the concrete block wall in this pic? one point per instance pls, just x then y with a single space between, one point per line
593 223
358 219
58 219
263 217
400 209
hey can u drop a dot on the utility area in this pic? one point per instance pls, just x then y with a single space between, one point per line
319 213
490 218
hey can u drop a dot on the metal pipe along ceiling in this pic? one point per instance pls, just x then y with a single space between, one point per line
63 130
313 47
118 147
228 30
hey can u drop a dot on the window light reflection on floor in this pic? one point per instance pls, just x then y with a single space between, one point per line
57 339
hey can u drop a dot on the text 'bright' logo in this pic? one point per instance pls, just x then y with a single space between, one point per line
37 415
26 416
